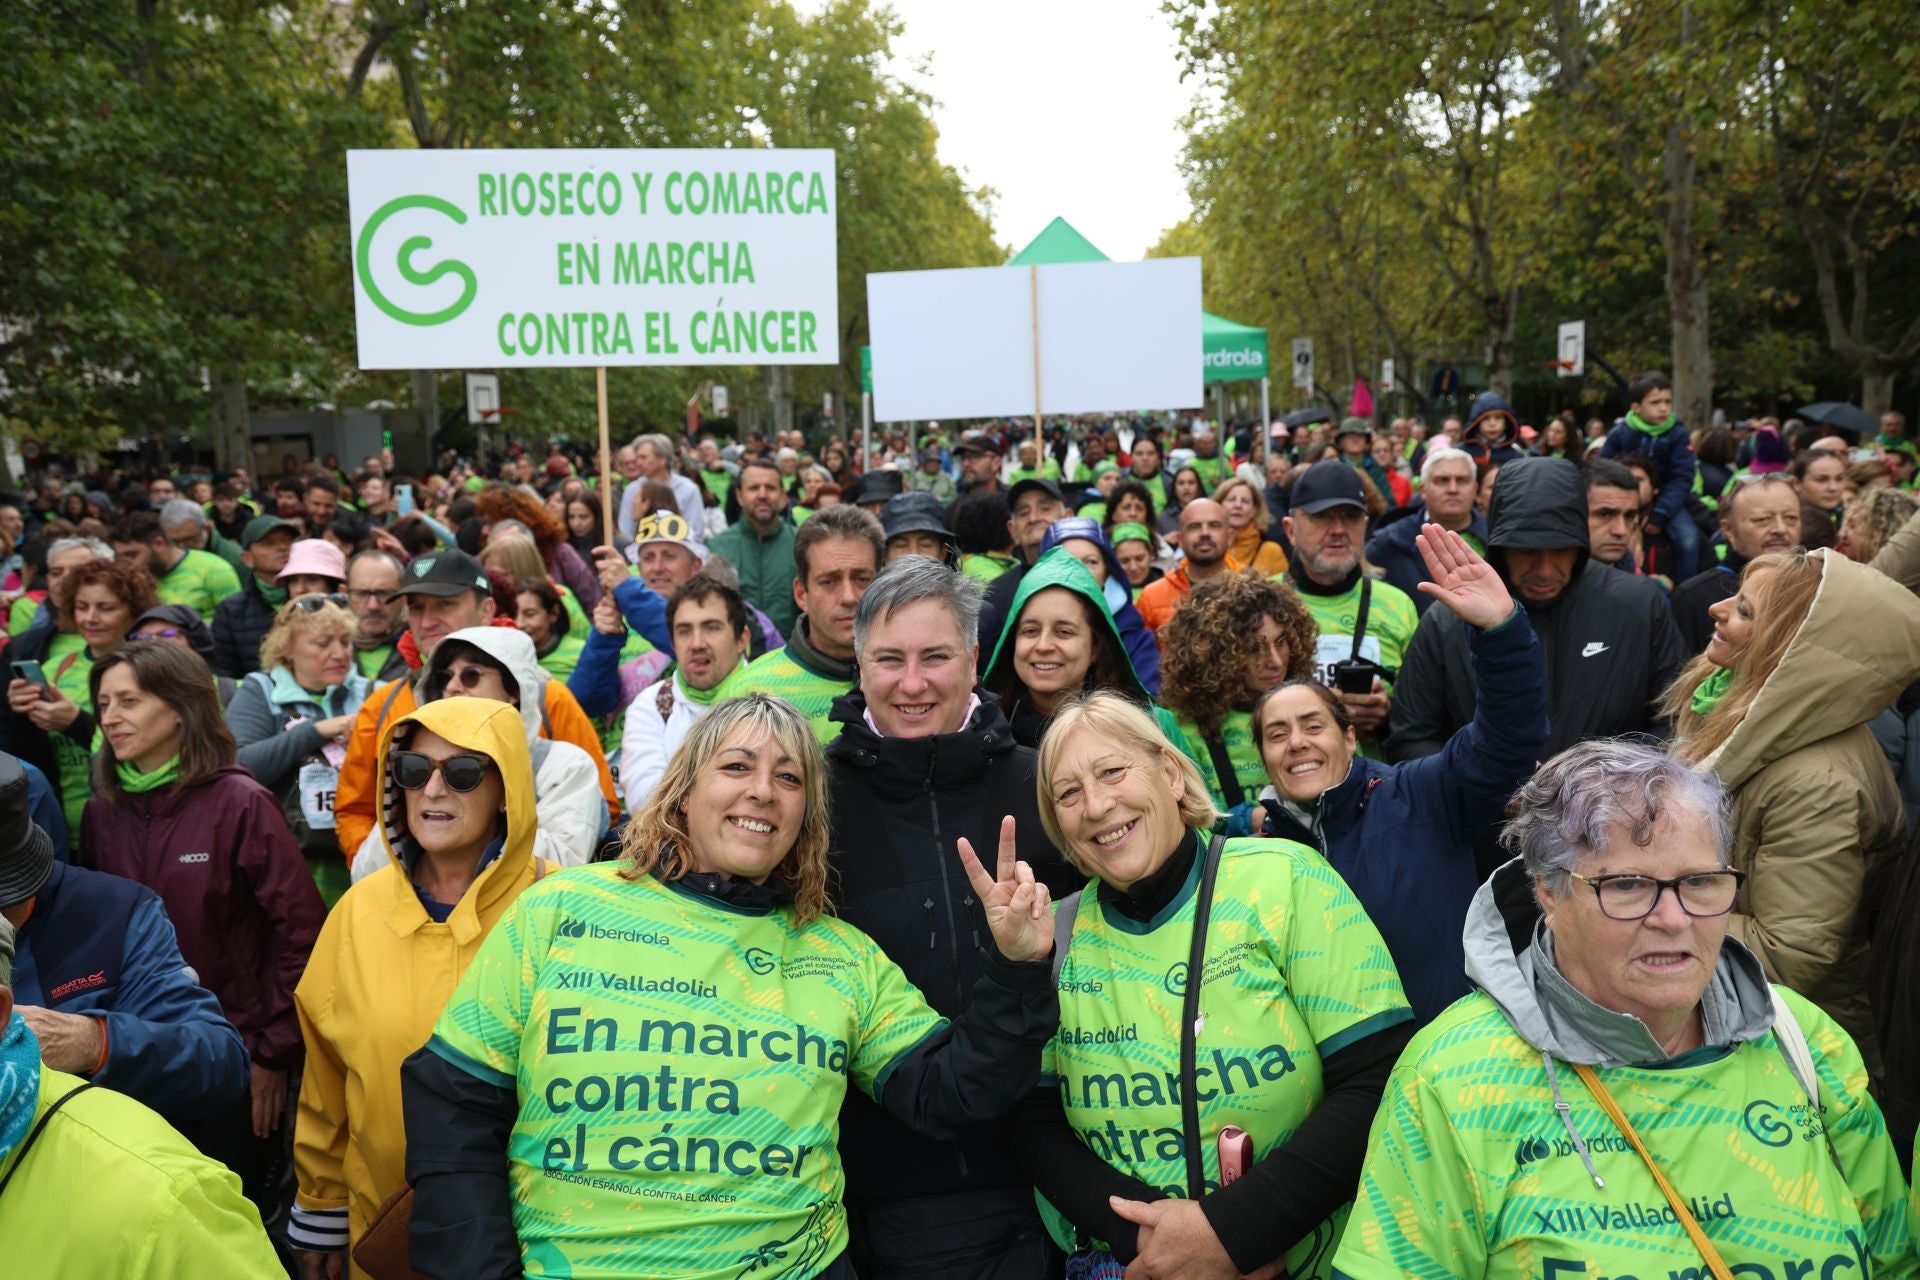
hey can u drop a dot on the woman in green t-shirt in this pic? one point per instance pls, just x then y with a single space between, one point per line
95 603
1206 1124
641 1073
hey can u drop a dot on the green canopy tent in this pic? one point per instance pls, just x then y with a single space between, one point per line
1232 352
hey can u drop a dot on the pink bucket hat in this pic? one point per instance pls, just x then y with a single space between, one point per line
316 556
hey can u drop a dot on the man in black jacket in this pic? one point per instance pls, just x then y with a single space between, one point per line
241 622
1608 639
923 759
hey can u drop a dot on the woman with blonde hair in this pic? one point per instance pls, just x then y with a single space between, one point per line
1777 707
1228 1014
729 1015
518 557
1871 520
1248 523
285 715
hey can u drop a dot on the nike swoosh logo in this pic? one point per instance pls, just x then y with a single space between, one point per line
1593 647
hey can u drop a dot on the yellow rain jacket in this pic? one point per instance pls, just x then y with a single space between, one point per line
380 974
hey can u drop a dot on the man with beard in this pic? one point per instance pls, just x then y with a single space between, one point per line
1760 515
1203 540
1360 619
379 615
760 544
1608 639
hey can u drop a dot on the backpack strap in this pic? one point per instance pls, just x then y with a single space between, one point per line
1230 788
40 1124
392 694
1191 1020
1064 912
1360 621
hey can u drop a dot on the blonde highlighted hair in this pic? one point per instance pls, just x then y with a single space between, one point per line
657 837
294 622
1122 723
1781 587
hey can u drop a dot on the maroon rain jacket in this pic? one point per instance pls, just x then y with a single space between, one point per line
235 886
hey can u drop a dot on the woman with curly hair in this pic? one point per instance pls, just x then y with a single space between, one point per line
499 502
721 899
1237 636
1873 517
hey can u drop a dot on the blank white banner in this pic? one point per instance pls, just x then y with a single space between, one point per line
960 343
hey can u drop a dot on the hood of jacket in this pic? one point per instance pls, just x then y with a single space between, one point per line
1081 527
1539 504
512 649
187 620
1492 402
1509 955
1836 673
1058 568
911 766
493 729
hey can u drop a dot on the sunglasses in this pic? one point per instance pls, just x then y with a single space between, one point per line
314 604
160 633
411 770
466 677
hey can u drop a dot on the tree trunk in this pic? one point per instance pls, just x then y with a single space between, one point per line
227 422
1498 343
413 449
1876 393
780 392
1687 313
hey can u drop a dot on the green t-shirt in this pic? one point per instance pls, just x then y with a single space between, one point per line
1211 470
1294 972
777 673
1048 470
200 580
70 667
21 613
680 1066
1469 1171
371 660
565 656
1391 619
719 483
1236 735
985 568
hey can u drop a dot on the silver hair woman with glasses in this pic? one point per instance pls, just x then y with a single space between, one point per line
1625 1094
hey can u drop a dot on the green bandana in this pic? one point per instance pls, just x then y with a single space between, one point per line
1644 427
137 783
273 595
1707 696
1129 531
699 697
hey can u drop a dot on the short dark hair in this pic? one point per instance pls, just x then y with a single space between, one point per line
980 522
1641 385
698 590
759 463
1638 462
841 521
179 678
137 526
549 600
1606 473
319 482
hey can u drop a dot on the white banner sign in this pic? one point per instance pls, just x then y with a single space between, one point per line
1303 364
1110 335
541 258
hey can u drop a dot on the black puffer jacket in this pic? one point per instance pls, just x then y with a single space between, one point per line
240 623
1609 641
899 807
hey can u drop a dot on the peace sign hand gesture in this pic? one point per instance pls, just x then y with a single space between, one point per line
1018 906
1462 581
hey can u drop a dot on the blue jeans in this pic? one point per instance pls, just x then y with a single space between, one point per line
1685 536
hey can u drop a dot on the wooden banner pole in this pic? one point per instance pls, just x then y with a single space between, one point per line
607 478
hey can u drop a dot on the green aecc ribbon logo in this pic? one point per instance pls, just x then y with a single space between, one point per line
408 272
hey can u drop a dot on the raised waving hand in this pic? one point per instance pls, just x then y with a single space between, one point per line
1462 581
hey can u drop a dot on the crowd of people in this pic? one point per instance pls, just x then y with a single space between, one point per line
1148 848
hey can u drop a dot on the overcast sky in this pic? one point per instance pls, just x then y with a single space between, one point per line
1066 108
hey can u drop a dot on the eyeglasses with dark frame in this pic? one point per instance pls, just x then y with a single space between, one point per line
1702 895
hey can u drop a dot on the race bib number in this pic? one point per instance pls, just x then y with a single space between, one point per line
1336 649
318 782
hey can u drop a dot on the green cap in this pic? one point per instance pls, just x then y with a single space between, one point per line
1103 466
1130 531
260 526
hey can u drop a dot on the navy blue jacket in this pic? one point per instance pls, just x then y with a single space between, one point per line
43 806
1392 548
99 945
1402 835
1673 462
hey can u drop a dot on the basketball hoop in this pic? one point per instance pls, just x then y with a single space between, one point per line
1554 364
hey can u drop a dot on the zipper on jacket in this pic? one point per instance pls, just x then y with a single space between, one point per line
940 869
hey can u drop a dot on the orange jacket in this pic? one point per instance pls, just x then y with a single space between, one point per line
1158 600
356 802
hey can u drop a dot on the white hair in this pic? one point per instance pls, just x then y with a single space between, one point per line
1439 456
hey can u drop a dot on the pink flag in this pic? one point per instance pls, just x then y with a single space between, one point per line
1362 406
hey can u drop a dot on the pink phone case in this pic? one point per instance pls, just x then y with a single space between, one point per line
1236 1153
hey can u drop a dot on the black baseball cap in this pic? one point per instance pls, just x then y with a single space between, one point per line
1329 483
1033 482
977 442
444 573
260 526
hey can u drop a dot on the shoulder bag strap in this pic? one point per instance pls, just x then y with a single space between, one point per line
1230 788
1191 1020
387 706
1064 912
1710 1255
1793 1047
40 1124
1360 621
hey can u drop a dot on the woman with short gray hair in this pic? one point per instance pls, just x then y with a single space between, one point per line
1625 1093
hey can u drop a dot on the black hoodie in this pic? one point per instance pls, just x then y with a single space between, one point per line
1609 641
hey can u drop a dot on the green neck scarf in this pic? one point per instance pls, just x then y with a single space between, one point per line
137 783
1644 427
699 697
1707 696
273 595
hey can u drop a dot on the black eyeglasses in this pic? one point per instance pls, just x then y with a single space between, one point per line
411 770
1703 895
314 604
